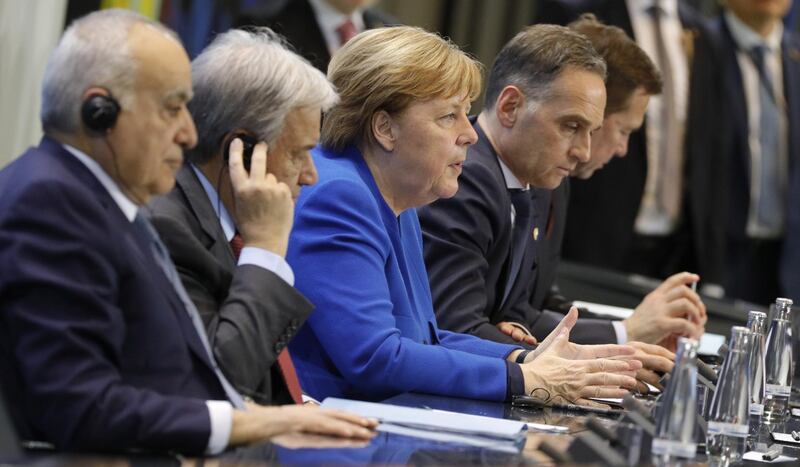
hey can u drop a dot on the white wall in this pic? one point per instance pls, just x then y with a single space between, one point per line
29 30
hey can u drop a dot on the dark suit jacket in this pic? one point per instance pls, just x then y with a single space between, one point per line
607 204
733 189
251 313
553 219
296 22
467 244
97 352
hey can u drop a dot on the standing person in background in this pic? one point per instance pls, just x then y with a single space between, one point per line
759 182
318 28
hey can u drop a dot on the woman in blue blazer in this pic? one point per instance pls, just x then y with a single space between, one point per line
396 141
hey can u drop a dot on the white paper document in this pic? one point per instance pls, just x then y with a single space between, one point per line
429 419
759 457
709 343
605 311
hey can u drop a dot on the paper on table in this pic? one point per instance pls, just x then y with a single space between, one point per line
504 445
709 342
608 400
440 420
608 311
757 456
618 401
548 428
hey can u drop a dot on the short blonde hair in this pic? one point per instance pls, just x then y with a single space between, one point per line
386 69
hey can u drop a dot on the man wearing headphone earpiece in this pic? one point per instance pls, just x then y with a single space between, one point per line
227 229
99 113
102 348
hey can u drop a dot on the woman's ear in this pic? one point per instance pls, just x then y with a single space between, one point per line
383 130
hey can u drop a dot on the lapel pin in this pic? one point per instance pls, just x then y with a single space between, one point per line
535 233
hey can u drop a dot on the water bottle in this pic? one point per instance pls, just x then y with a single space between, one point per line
757 324
728 419
778 363
675 416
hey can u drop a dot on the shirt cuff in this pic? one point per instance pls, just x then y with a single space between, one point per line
221 414
620 331
515 382
267 260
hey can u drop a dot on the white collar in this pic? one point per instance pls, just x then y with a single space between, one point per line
512 182
225 219
747 39
128 207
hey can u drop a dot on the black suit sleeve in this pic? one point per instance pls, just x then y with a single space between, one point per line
459 243
250 315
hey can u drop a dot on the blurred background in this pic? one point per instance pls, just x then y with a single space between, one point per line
30 29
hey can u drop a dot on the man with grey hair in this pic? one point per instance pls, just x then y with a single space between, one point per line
101 348
227 240
545 97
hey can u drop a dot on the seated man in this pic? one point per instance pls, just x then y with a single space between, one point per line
632 79
481 246
228 235
101 347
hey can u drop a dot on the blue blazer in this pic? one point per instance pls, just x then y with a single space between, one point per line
97 352
373 333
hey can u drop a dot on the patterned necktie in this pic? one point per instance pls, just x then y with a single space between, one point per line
346 30
521 200
161 255
284 360
770 208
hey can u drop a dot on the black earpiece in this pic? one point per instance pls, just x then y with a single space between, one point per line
248 144
99 112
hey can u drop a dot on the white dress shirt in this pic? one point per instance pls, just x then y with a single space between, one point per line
220 412
746 39
329 19
649 222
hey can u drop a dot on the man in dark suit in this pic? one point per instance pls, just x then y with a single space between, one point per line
639 208
756 173
632 79
318 28
101 348
480 244
478 231
244 292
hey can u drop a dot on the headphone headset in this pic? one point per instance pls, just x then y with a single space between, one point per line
248 144
99 112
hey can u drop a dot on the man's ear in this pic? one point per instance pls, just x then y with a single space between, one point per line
383 130
508 106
